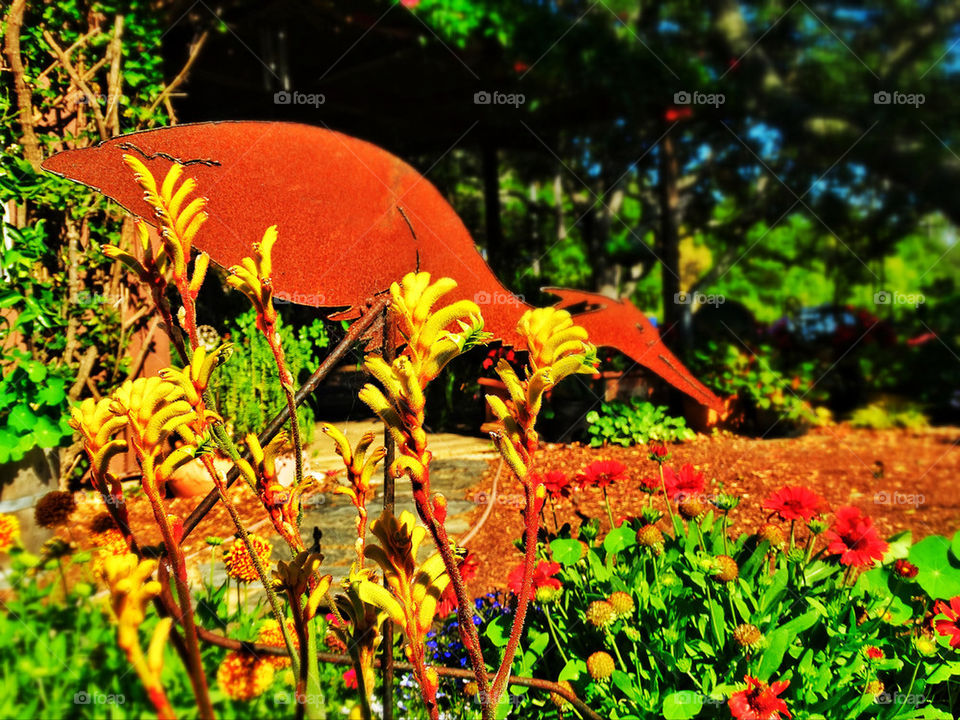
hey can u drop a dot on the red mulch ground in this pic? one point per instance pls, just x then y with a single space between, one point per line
904 480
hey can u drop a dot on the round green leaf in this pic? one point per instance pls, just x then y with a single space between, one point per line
566 551
682 705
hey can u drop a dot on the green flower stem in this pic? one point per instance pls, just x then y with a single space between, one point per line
265 580
612 641
666 499
606 502
913 679
713 619
553 633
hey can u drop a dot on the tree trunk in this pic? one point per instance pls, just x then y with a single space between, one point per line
669 246
491 207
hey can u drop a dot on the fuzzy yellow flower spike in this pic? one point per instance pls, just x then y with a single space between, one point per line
360 466
180 219
98 426
152 269
557 349
252 278
154 409
359 633
282 503
410 593
131 590
430 346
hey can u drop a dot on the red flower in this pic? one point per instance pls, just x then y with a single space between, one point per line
543 576
350 678
795 503
601 473
556 483
905 569
759 701
520 66
658 452
949 626
854 538
873 652
650 484
682 484
469 565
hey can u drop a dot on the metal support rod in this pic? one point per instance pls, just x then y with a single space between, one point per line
389 497
259 650
372 315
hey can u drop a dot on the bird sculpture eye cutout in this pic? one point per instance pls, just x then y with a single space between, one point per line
351 219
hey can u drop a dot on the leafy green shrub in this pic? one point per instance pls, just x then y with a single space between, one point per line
771 402
887 416
244 388
635 422
32 398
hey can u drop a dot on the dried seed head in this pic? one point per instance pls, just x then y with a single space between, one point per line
747 636
600 665
622 604
601 614
725 568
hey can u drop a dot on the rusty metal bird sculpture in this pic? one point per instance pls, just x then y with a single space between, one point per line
352 219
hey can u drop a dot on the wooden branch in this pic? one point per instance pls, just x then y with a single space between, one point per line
114 78
82 40
31 146
137 364
164 96
78 80
83 372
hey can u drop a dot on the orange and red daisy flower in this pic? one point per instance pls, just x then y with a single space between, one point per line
556 483
9 531
601 473
683 483
239 563
795 502
543 577
948 626
243 676
759 701
854 538
905 569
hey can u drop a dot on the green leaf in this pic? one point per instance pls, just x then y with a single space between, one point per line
498 631
939 572
626 685
53 392
619 539
21 418
47 433
566 551
573 669
682 705
36 371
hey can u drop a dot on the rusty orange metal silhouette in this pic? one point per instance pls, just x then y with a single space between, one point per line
352 219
